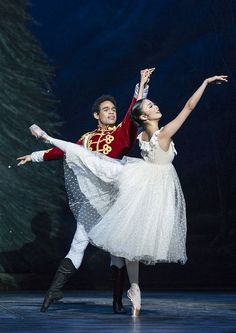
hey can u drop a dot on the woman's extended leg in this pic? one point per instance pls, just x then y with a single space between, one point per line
40 134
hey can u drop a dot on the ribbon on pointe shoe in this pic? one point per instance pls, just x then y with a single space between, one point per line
135 297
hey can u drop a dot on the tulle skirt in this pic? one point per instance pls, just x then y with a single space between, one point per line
130 207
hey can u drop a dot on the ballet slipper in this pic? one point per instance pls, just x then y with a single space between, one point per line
135 297
38 132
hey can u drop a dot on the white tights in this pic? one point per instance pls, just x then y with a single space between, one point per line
61 144
133 271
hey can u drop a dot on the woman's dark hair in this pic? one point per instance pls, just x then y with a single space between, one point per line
136 112
101 99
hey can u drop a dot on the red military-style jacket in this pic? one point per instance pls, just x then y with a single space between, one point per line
115 141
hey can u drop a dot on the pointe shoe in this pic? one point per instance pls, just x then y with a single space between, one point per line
135 297
38 132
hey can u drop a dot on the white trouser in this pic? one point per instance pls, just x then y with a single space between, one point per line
79 243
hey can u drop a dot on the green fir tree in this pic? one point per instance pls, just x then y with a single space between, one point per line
31 195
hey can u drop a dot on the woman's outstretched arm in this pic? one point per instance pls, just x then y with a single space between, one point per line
172 127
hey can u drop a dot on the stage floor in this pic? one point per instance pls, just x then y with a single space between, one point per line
91 312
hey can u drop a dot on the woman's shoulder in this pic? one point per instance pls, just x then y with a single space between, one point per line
142 137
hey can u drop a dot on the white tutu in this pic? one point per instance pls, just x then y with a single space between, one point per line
132 208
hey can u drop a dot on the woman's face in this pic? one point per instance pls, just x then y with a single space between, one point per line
151 110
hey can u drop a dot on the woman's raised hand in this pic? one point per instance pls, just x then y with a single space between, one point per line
217 79
145 75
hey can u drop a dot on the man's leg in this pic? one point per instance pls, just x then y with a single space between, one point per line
118 278
67 268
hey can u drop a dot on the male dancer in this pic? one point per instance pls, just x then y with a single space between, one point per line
113 141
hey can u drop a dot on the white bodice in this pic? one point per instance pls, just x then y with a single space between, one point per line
152 152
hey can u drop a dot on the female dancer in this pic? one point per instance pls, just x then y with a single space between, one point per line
135 207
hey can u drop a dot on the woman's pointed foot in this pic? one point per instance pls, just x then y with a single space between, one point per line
38 132
135 297
135 312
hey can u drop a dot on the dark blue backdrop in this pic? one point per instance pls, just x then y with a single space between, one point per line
99 47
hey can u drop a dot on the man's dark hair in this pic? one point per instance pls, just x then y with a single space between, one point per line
101 99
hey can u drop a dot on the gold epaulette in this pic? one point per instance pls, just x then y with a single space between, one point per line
86 134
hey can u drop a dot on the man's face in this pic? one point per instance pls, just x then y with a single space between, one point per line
107 114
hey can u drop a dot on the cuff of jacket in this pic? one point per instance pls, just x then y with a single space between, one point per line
37 156
145 92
